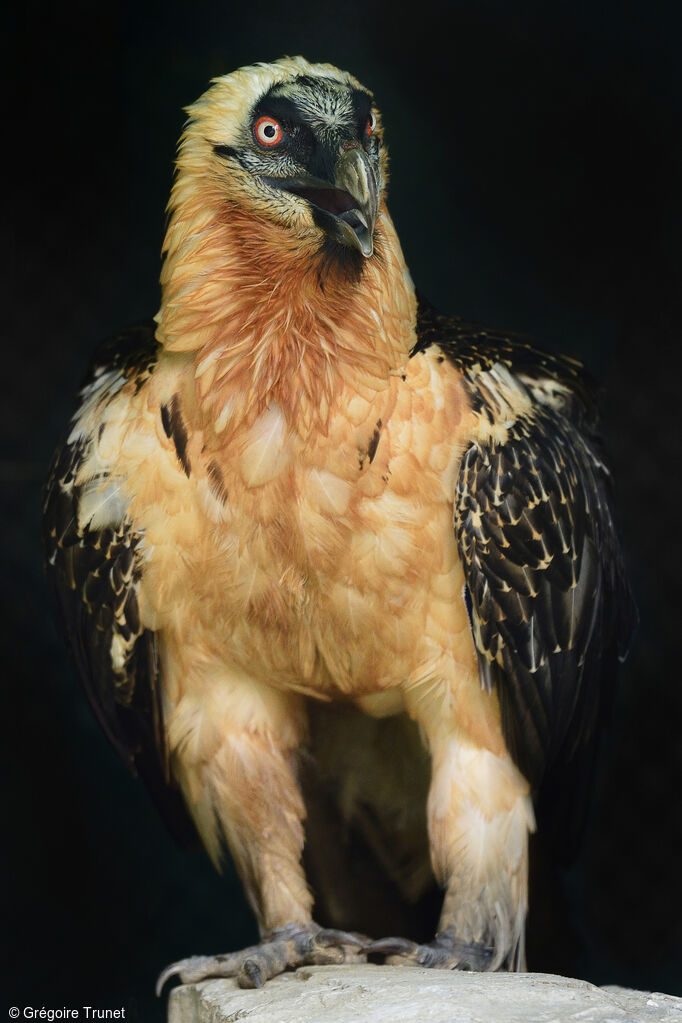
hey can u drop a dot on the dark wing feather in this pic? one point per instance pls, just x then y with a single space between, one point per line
93 575
548 590
550 605
473 347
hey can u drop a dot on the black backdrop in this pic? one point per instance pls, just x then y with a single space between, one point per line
536 174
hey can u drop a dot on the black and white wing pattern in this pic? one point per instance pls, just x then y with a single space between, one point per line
549 601
93 558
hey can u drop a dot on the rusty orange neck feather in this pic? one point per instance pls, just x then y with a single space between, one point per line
252 302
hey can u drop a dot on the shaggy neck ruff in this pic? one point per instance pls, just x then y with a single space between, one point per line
268 323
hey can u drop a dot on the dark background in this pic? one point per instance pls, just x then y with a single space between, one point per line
537 168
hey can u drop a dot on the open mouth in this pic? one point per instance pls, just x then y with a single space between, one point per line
333 202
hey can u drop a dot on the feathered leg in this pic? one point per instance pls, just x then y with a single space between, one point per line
233 753
479 816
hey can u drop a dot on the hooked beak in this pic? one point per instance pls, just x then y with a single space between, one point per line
346 209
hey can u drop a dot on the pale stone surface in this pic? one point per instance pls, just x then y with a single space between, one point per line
385 994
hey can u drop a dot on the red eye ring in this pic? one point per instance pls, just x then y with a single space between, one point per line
371 124
268 131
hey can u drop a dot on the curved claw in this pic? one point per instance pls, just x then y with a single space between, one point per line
392 946
328 937
250 974
172 970
175 970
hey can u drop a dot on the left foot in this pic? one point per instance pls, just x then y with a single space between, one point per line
445 952
285 949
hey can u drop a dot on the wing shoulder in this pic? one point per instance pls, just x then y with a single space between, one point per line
475 350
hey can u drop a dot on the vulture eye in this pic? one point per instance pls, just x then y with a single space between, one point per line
371 124
268 131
